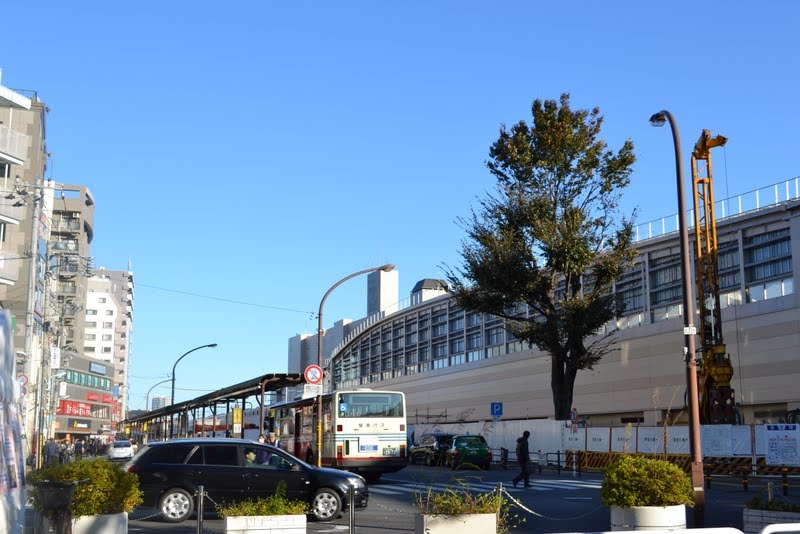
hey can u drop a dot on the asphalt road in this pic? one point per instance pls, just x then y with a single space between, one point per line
555 503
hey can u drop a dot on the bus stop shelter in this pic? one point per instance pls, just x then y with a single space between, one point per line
161 421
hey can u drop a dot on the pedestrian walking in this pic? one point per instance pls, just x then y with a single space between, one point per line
79 449
524 460
51 452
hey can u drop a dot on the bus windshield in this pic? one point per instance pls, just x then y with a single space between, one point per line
370 404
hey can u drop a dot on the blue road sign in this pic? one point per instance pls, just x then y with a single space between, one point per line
497 408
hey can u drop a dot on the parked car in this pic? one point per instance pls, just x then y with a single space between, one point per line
120 450
469 450
430 449
235 469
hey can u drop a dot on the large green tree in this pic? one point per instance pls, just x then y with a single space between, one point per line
551 236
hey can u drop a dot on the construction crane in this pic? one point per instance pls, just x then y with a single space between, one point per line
717 401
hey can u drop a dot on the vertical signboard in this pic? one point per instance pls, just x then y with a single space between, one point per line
782 445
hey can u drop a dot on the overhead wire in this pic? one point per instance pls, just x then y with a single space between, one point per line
221 299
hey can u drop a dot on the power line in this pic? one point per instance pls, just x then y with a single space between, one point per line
224 299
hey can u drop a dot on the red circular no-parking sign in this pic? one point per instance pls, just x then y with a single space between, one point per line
313 374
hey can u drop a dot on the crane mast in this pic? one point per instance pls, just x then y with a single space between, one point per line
717 401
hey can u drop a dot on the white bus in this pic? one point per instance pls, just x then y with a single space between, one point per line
363 430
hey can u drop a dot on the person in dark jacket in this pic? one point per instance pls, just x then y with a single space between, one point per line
524 460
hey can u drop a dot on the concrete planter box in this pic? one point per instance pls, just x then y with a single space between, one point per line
455 524
648 518
263 524
755 520
92 524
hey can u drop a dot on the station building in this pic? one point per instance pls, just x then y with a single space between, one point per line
453 364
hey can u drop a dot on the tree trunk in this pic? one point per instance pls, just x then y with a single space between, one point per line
562 382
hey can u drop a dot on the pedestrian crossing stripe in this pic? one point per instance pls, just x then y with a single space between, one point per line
399 487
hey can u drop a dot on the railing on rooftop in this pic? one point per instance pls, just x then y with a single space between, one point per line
756 199
13 143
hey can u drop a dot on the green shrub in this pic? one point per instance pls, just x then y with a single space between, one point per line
276 504
757 503
110 489
460 501
642 481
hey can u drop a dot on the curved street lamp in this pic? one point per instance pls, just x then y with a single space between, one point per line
172 396
147 397
320 332
689 330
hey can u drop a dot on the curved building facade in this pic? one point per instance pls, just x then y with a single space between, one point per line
453 364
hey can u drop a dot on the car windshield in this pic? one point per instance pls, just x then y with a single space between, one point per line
120 444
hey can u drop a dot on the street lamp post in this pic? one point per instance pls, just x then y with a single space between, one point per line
147 397
689 329
172 396
320 332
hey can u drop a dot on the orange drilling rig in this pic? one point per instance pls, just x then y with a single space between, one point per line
717 401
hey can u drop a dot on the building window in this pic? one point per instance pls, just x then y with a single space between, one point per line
90 337
108 324
629 290
441 363
91 324
473 340
106 337
439 329
494 336
88 348
457 345
109 312
458 359
768 265
101 300
90 311
439 350
665 279
473 319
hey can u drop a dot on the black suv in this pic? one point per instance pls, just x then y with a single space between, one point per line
234 469
430 448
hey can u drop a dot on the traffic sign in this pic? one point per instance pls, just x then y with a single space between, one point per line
23 379
573 415
497 408
313 374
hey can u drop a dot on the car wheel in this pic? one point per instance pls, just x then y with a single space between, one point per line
176 505
326 505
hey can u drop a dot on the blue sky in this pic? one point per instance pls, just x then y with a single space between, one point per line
258 152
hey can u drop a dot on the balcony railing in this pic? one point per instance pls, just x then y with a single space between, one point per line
7 208
72 226
9 266
13 145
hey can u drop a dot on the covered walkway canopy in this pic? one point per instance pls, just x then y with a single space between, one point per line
257 387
